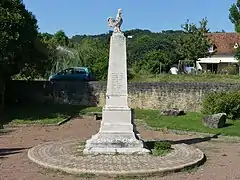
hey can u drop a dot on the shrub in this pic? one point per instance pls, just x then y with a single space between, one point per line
223 102
161 148
231 69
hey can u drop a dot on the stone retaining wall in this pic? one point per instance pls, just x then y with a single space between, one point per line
159 95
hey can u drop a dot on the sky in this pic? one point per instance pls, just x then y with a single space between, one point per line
90 16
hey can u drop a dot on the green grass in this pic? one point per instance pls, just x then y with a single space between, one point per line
161 148
160 152
188 78
44 114
51 114
192 121
40 122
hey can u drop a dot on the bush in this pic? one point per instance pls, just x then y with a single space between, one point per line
231 70
161 148
222 102
162 145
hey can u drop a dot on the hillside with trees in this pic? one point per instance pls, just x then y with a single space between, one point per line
148 52
26 53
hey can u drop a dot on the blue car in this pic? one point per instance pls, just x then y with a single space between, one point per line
73 73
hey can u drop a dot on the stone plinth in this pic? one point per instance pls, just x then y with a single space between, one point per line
117 133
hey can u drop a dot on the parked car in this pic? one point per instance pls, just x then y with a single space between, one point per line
73 73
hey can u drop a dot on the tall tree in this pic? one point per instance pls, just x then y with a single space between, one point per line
194 44
61 38
234 16
155 62
20 48
19 41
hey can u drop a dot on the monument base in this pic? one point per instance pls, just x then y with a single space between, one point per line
113 143
115 135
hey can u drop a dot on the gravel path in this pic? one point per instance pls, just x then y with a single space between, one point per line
223 158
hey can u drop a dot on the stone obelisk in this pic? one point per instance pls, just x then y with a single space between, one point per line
116 134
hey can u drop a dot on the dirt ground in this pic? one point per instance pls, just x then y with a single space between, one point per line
223 157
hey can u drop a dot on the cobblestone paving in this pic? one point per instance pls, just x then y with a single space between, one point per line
62 155
223 156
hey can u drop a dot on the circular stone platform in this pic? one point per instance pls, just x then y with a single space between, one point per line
66 156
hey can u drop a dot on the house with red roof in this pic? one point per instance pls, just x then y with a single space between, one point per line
223 49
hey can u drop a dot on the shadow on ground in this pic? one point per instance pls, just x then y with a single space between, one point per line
39 100
9 151
5 131
228 124
39 112
150 144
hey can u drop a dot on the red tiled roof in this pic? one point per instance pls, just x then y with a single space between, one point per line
224 42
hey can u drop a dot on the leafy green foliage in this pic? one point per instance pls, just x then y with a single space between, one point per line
223 102
193 44
61 38
161 148
154 62
30 54
20 49
231 70
145 51
234 15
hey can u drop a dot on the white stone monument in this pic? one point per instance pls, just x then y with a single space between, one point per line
117 133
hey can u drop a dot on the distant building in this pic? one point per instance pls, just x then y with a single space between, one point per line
223 49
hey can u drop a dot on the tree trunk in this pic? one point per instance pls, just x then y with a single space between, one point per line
2 93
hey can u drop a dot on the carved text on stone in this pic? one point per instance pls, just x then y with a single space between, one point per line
118 84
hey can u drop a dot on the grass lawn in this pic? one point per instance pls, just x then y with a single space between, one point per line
45 114
188 78
51 114
192 121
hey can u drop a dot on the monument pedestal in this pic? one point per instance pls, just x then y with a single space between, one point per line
117 133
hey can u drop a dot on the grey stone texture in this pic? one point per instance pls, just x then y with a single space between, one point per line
67 156
173 112
215 120
145 95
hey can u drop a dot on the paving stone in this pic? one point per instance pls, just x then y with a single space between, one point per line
62 155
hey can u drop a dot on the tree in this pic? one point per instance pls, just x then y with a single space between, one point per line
61 38
155 62
234 16
20 47
194 44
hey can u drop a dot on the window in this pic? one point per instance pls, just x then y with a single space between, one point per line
211 49
80 71
66 72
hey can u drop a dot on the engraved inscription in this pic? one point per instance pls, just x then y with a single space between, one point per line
118 84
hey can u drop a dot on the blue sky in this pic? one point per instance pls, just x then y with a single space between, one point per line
89 16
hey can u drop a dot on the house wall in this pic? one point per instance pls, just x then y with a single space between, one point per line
204 67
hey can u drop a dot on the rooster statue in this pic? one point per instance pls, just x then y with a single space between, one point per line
116 23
